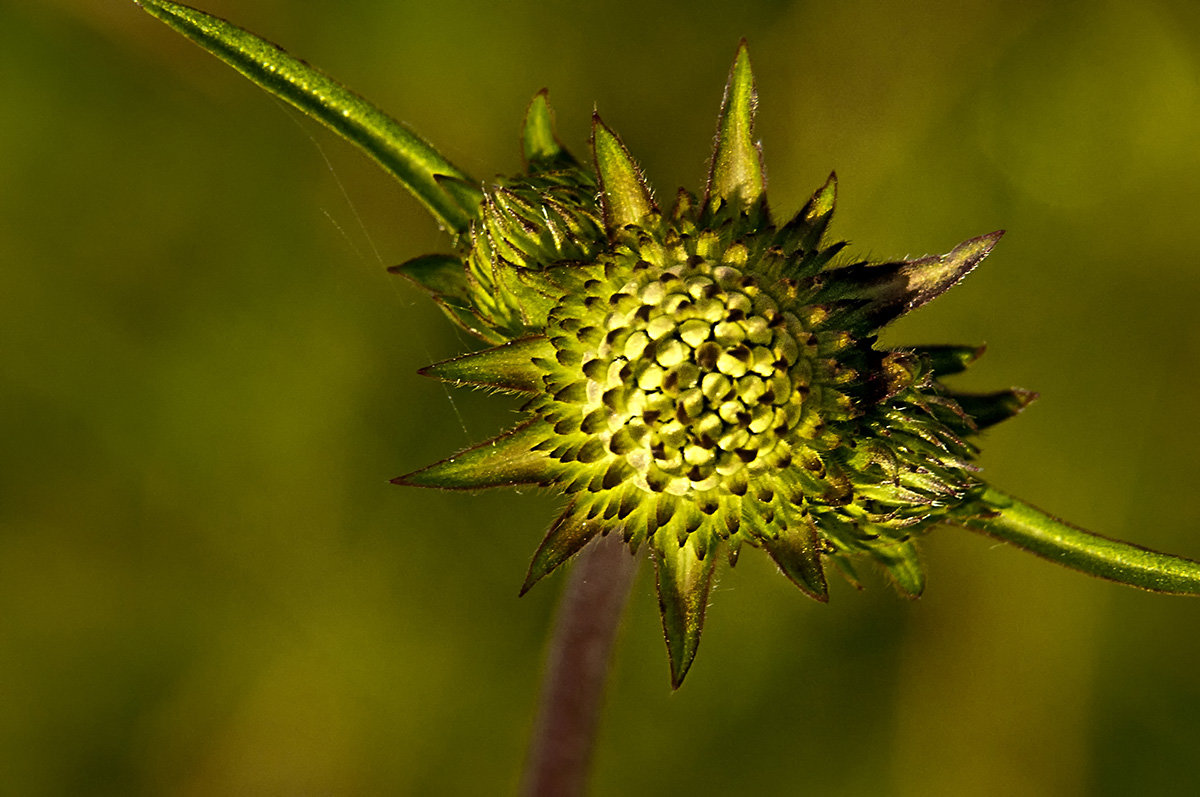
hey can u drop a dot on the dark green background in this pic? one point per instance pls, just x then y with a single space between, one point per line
207 586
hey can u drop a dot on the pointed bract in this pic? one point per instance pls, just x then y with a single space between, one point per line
540 146
930 277
470 322
504 461
797 551
903 566
441 275
684 581
946 360
409 158
624 195
735 175
573 530
509 366
890 290
806 229
990 409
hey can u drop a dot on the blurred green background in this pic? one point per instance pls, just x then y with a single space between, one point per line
207 585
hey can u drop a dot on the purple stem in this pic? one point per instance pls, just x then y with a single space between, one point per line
577 669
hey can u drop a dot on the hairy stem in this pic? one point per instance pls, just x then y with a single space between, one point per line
564 732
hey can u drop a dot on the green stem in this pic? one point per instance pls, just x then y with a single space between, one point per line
408 157
1027 527
577 669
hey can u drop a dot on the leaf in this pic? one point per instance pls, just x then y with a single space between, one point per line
539 143
504 461
624 194
509 366
408 157
684 581
735 174
1011 520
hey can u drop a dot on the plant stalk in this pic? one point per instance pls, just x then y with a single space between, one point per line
405 155
577 666
1040 533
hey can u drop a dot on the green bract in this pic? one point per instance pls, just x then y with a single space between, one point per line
698 378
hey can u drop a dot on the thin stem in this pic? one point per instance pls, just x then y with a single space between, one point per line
577 669
1028 527
408 157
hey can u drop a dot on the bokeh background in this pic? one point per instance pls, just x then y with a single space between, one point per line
207 585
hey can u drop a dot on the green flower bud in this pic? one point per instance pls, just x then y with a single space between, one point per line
707 380
701 379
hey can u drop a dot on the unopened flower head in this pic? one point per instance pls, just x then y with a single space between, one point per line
698 378
701 379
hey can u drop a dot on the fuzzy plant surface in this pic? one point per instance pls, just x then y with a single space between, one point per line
699 378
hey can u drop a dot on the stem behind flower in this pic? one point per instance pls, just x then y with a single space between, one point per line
577 669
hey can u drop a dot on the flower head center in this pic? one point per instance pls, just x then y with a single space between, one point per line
703 372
